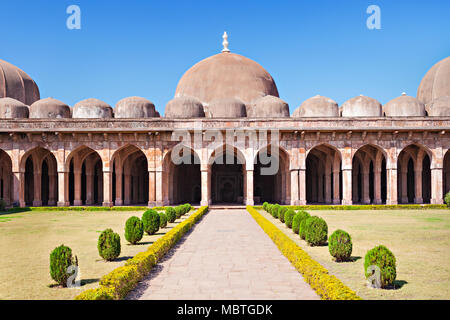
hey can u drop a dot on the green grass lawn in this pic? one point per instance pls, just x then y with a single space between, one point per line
27 238
419 239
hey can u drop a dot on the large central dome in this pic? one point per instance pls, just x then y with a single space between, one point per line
226 75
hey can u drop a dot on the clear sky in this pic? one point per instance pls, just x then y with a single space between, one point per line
142 48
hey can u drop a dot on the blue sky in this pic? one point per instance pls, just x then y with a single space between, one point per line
127 48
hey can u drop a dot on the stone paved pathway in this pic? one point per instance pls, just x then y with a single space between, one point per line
226 256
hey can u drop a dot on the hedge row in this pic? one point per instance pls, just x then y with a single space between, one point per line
118 283
327 286
87 208
366 207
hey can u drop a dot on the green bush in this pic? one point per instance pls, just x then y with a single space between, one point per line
171 214
178 211
340 245
275 209
302 225
281 212
108 245
316 231
134 230
61 259
288 217
162 220
188 207
385 260
298 217
265 206
447 199
150 218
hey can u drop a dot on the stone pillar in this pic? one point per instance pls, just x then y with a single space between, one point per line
37 199
151 188
63 192
53 182
206 187
418 186
107 189
89 188
404 185
7 188
77 188
377 186
328 187
365 189
249 184
127 191
100 183
159 186
436 186
336 188
355 197
118 201
294 187
302 187
19 188
391 186
347 186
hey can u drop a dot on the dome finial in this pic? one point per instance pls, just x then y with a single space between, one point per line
225 42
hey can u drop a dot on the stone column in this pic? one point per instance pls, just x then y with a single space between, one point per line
347 186
436 186
7 188
37 199
100 183
107 190
206 190
404 185
127 191
328 187
159 186
391 186
77 188
365 193
294 187
377 186
418 186
63 192
151 188
89 188
249 184
19 188
118 201
302 187
336 188
52 189
355 197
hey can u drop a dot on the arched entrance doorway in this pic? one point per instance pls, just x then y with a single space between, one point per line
369 176
414 183
446 174
323 175
6 178
271 186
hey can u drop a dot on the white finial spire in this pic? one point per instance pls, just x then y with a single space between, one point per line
403 93
225 42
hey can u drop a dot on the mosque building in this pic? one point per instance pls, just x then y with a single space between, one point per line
362 152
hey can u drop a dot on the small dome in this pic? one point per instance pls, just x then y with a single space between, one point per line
226 75
16 84
361 106
404 106
436 83
49 108
184 108
11 108
268 107
92 108
135 107
317 106
226 108
439 107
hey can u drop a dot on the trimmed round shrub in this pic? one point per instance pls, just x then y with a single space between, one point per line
162 220
385 260
61 259
179 211
340 245
134 230
270 209
447 199
288 217
275 209
302 225
150 218
188 207
281 212
109 245
171 214
265 206
297 219
316 231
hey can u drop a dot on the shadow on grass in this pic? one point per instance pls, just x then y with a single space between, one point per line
89 281
398 284
122 258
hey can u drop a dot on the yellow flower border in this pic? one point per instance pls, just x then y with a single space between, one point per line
327 286
119 282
